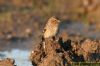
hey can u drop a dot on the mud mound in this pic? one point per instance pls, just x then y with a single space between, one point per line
7 62
91 50
63 53
49 54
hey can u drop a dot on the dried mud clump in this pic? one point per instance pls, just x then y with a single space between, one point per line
91 50
50 54
63 53
7 62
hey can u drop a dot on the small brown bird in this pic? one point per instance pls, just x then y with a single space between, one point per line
51 28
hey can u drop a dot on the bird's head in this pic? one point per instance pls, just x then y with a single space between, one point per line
54 20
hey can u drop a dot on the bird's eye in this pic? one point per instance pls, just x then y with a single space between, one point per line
55 20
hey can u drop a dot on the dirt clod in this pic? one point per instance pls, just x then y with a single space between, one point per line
7 62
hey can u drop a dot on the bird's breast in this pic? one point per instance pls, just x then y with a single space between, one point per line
50 32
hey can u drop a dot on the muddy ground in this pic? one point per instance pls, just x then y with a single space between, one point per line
66 51
7 62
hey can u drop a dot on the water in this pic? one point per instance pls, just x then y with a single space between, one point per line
81 29
21 56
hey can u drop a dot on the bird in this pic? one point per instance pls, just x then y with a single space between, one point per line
51 28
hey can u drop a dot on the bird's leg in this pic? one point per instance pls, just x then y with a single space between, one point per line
43 42
43 39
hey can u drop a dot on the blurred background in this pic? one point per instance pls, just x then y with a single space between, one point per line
22 21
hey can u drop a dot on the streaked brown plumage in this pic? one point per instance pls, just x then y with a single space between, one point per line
51 28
